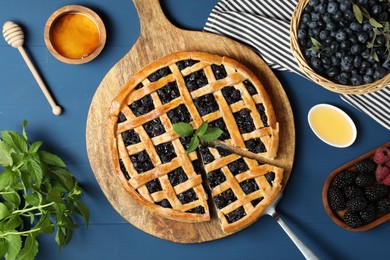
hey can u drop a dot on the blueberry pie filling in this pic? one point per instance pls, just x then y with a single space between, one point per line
150 158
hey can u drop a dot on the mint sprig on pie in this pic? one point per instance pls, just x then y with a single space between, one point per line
218 97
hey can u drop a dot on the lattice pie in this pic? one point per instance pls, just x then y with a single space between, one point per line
150 158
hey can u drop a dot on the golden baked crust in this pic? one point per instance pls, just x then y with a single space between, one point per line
148 155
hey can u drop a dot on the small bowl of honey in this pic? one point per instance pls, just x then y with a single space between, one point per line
332 125
75 34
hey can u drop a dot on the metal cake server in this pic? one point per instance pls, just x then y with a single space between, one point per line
271 211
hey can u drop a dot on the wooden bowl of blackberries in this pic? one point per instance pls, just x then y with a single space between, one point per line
343 45
356 196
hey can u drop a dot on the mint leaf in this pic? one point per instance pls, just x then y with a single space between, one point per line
13 200
83 211
182 129
202 129
14 245
15 140
5 154
51 159
7 178
374 23
194 143
4 212
3 247
29 250
211 134
35 147
33 199
12 223
24 134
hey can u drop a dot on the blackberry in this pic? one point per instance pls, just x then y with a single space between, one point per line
177 176
368 214
383 206
357 203
236 215
353 191
219 71
365 166
377 191
336 198
344 179
249 186
179 114
364 179
238 166
352 219
255 145
206 104
231 94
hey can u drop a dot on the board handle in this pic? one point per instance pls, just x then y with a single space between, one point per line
152 18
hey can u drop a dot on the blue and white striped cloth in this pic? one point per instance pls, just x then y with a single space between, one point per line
264 25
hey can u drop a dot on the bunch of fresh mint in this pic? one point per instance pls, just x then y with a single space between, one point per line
37 195
203 134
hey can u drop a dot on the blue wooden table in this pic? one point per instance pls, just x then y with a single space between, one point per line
109 236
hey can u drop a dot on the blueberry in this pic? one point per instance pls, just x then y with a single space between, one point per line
363 37
368 79
333 72
312 25
219 123
376 9
349 15
332 8
330 26
341 36
355 26
302 34
255 145
356 49
219 71
166 152
357 61
345 45
315 62
345 5
236 215
380 72
249 186
356 80
231 94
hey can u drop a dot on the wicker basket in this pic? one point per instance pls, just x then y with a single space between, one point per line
332 86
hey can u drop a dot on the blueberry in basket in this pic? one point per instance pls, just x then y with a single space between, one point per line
357 195
346 41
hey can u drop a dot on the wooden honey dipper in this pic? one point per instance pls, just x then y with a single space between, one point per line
14 36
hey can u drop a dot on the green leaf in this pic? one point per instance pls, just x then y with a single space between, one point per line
211 134
44 224
365 12
14 245
29 250
375 55
51 159
182 129
5 154
60 238
64 177
12 198
24 134
54 195
4 212
12 223
374 23
358 13
315 42
35 147
33 199
3 247
194 143
202 129
35 170
83 211
7 178
15 140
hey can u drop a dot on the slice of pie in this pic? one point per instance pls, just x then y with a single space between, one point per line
150 158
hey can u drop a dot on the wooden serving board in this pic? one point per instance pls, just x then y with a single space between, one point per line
158 38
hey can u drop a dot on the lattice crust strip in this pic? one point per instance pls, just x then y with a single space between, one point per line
194 88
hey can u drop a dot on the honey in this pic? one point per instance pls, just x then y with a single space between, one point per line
332 125
75 36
